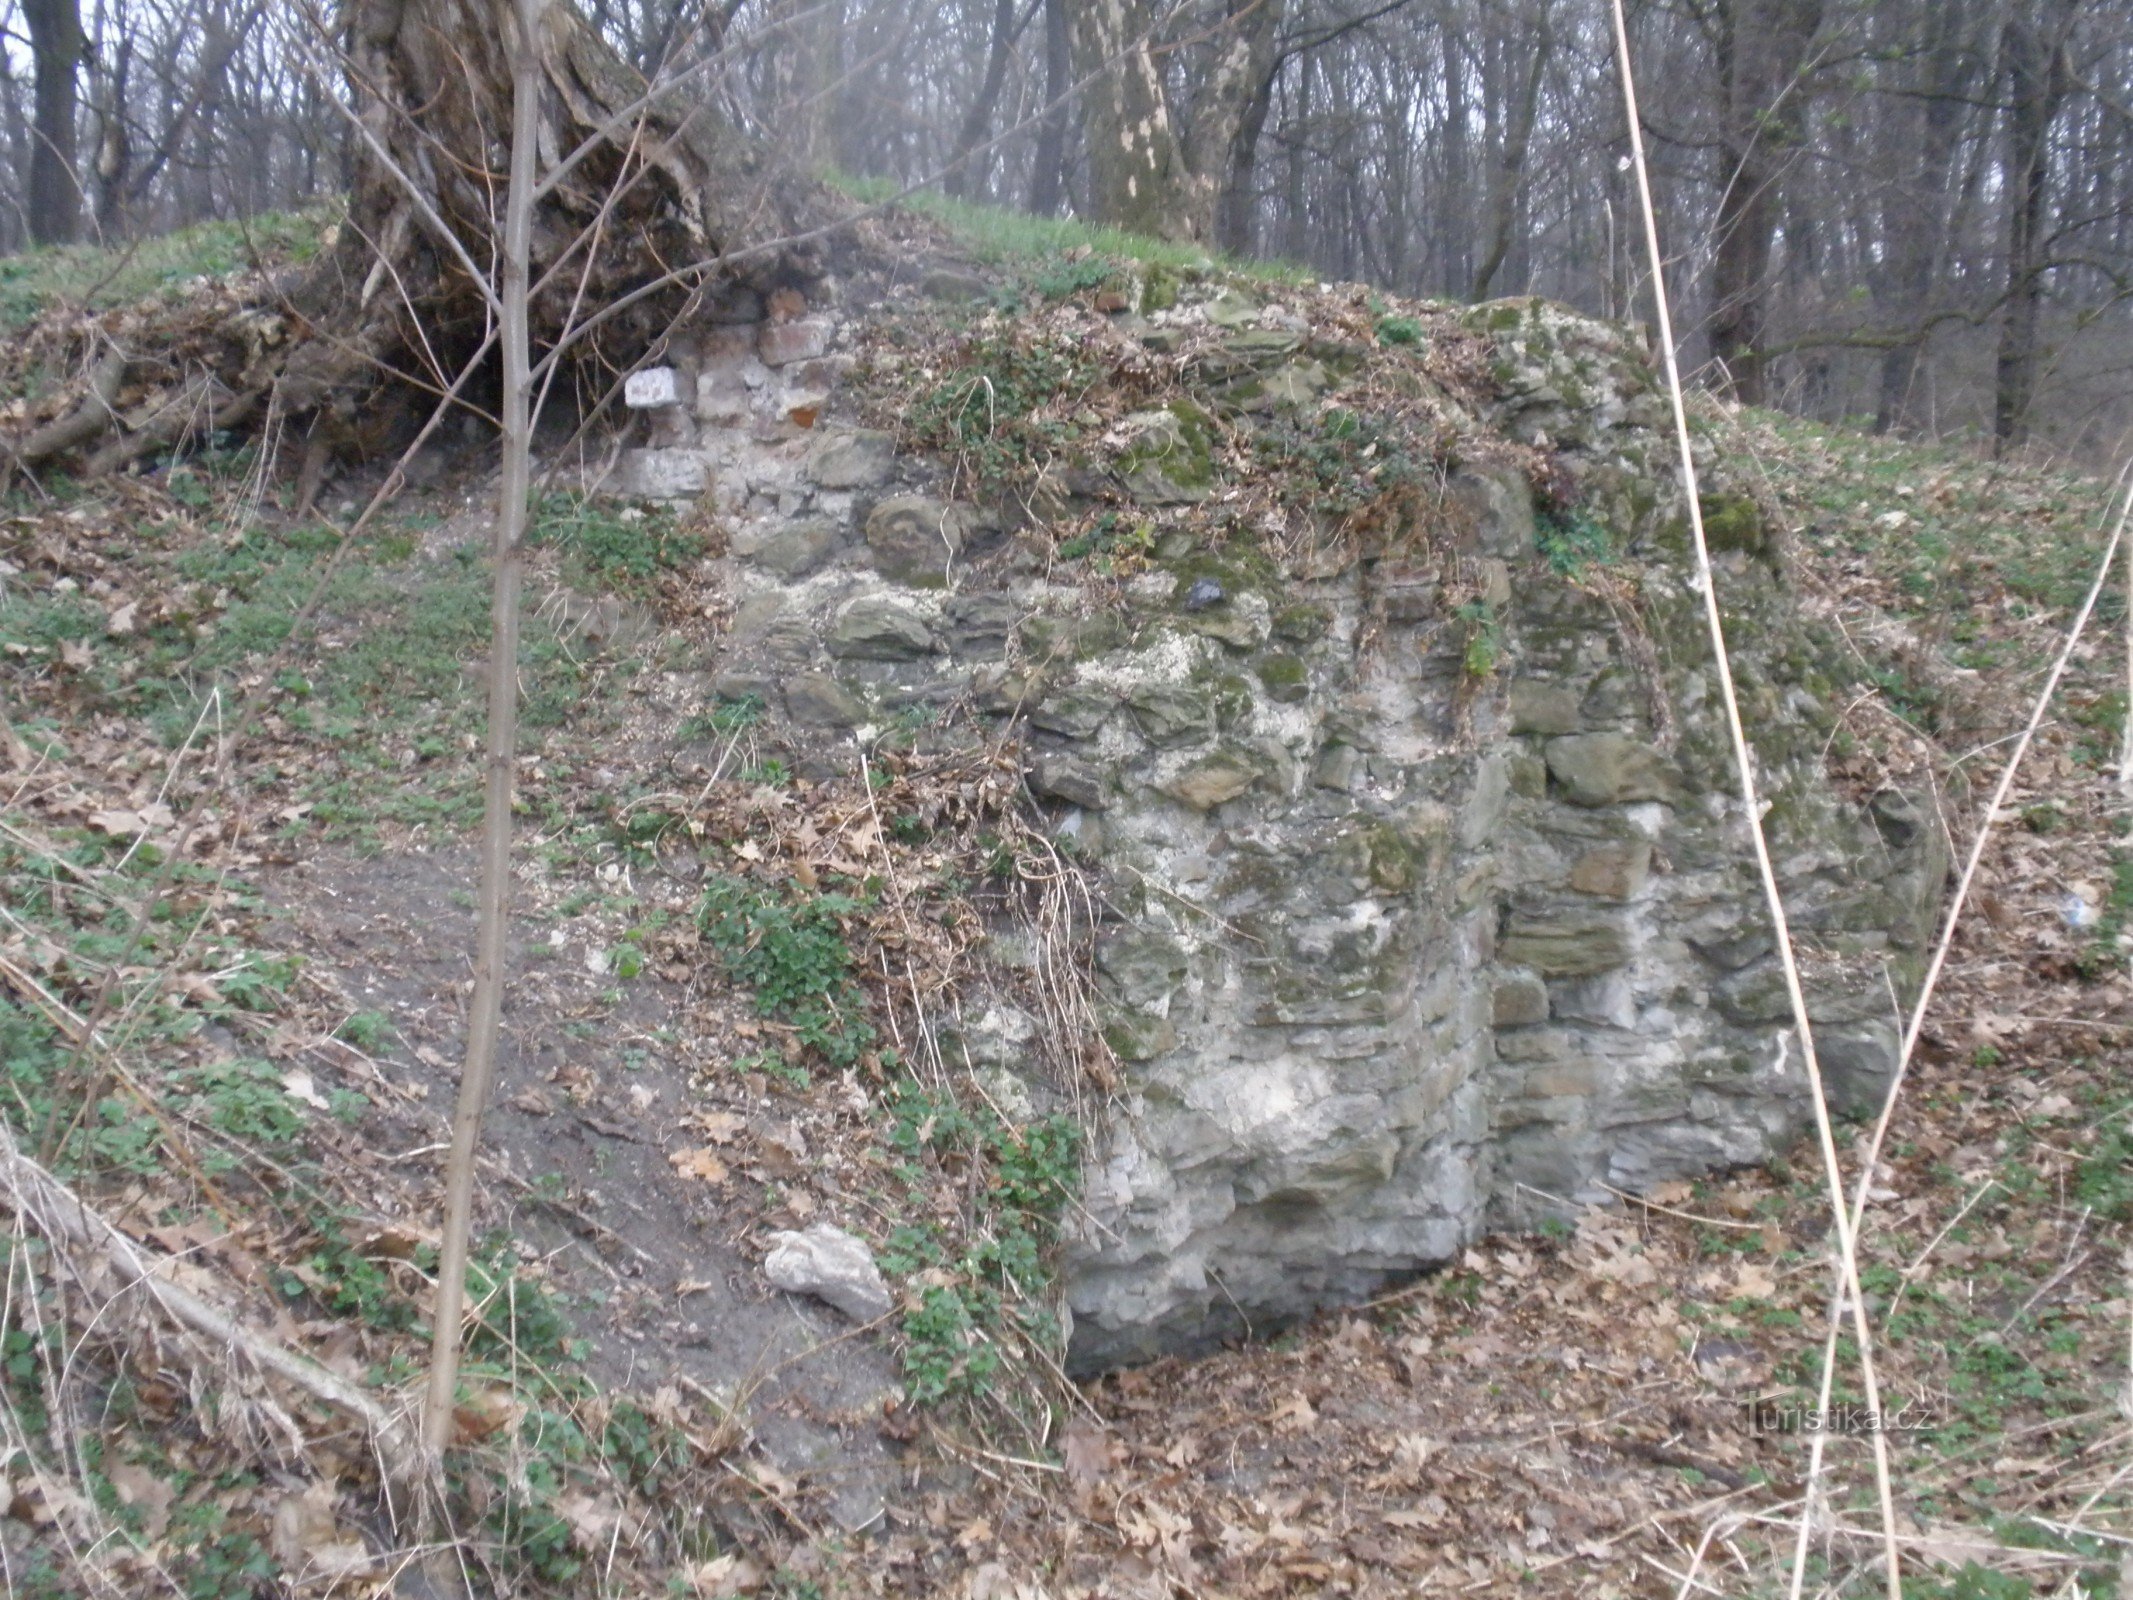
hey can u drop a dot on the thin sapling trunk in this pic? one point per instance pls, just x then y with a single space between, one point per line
485 1013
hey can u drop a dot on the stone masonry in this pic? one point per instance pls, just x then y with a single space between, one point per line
1403 951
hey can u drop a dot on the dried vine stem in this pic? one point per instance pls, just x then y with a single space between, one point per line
82 1237
1751 801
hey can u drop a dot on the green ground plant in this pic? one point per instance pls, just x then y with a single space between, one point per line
995 1258
1001 236
1004 405
610 546
791 951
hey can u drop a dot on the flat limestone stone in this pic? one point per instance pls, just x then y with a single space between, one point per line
1567 946
1613 871
879 628
797 548
914 538
665 474
1605 769
815 699
1519 1000
1065 777
833 1266
1540 707
1212 781
852 458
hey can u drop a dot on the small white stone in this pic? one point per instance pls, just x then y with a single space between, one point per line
652 388
833 1266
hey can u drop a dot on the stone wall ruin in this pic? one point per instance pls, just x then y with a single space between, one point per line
1403 950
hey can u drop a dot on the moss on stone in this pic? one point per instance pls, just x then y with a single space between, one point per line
1302 623
1734 522
1286 678
1390 859
1159 288
1234 699
1172 459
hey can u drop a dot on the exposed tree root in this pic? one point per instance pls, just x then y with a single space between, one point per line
649 201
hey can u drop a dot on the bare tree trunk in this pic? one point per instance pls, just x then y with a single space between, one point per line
1136 180
1240 197
1510 173
110 87
1453 232
1047 183
1234 75
1295 197
125 186
2034 64
1762 47
1147 173
477 1076
1917 230
56 47
961 179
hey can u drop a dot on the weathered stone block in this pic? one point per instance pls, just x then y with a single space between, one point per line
1858 1066
979 624
1605 1000
879 628
1499 512
651 387
815 699
1173 713
733 687
1541 707
1566 945
1256 347
1285 677
852 458
1141 967
1168 456
1564 1080
1527 774
1134 1037
1613 871
665 474
782 343
1338 767
832 1265
1060 776
1072 711
1304 623
1212 781
914 538
1001 1035
1519 1000
792 550
1604 769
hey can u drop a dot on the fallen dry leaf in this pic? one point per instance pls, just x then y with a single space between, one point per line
701 1165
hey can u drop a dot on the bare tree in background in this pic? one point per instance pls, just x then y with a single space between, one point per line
1919 212
1761 48
1151 169
2035 71
56 45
